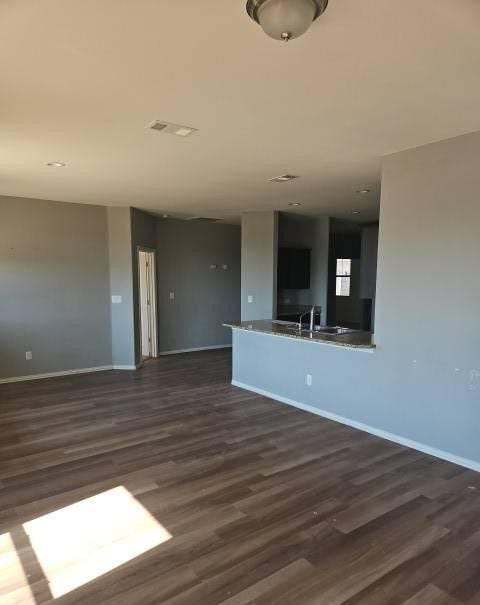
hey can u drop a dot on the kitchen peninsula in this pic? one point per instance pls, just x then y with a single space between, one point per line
336 336
314 370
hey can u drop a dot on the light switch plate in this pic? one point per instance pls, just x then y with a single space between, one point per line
172 295
116 300
28 355
250 299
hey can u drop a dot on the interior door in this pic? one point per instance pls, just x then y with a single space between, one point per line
147 303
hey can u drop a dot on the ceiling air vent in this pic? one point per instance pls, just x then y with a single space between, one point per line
169 128
203 219
158 126
283 178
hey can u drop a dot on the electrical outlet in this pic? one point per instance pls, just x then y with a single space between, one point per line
250 299
308 380
474 380
28 355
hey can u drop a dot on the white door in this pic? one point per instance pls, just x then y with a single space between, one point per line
147 302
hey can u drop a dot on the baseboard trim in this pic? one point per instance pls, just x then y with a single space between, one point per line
162 353
55 374
125 367
415 445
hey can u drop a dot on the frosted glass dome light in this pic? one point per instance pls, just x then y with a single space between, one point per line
285 19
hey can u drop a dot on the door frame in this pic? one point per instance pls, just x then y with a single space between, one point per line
152 290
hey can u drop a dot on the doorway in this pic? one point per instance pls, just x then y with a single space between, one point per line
147 296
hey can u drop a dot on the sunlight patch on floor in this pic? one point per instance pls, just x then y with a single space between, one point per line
14 587
81 542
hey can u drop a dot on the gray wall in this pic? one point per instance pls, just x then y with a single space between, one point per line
54 287
423 382
60 264
369 258
368 267
320 249
204 297
296 231
144 235
121 284
259 265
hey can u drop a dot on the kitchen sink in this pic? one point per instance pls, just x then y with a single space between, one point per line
286 324
322 329
332 330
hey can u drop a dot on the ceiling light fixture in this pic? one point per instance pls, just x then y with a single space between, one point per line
56 164
283 178
285 19
363 191
356 212
294 204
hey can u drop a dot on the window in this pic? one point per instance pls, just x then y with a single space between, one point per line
344 272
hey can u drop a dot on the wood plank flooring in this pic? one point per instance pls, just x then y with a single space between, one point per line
168 485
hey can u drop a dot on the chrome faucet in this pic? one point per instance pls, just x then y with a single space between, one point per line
300 319
312 318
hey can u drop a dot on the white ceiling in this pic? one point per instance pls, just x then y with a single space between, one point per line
81 78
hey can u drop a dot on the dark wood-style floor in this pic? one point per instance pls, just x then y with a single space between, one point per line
265 504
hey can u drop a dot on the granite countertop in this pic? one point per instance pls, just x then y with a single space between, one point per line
354 339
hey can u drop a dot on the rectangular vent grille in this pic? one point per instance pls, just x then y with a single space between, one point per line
203 219
283 178
158 126
169 128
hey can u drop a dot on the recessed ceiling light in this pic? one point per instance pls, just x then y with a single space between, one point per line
356 212
56 164
165 216
363 191
283 178
169 128
294 204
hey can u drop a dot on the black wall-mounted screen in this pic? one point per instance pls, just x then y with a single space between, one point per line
294 268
